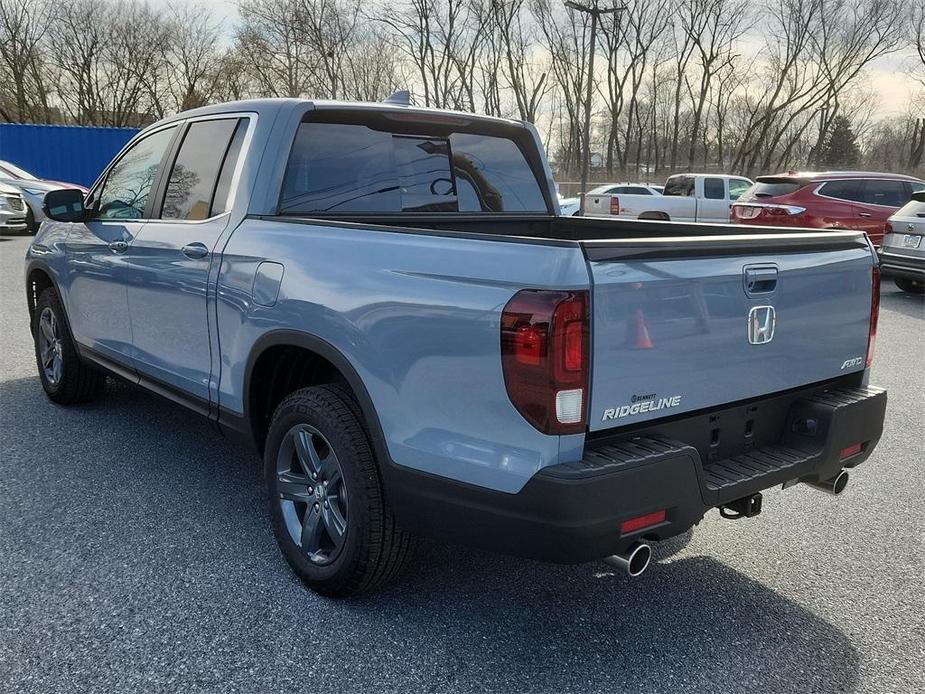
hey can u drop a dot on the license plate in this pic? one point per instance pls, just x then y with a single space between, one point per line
747 212
911 241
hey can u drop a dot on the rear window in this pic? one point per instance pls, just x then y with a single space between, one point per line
349 168
771 189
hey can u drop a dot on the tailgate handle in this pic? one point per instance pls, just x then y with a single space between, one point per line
760 280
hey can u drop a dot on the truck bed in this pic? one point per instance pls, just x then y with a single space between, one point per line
538 228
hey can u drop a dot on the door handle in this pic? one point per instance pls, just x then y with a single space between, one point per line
118 246
195 250
864 214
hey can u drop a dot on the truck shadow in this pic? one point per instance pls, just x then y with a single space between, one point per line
168 546
691 624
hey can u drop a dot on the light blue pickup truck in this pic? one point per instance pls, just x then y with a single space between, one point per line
384 301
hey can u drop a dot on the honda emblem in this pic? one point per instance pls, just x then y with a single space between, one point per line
761 321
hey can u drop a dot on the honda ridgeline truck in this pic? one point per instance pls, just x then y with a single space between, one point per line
384 301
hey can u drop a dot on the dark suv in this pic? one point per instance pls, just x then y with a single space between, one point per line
831 200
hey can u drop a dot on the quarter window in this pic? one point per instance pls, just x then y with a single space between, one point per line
714 189
886 193
195 173
125 193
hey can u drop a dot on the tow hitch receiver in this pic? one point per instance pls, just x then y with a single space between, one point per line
746 507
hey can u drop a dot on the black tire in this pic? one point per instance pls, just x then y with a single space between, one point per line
76 381
909 285
31 227
373 550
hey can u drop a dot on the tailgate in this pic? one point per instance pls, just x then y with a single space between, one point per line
598 205
682 324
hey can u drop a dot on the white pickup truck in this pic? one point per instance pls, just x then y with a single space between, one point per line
687 198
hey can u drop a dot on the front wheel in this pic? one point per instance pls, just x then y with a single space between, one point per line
910 285
31 227
65 378
330 516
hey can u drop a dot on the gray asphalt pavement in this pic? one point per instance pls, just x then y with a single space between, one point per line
136 555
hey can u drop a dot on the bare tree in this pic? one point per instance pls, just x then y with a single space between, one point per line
713 28
23 25
191 57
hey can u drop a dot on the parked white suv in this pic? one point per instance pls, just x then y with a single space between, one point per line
12 210
687 198
902 251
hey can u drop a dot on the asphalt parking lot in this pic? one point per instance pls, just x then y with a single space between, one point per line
136 554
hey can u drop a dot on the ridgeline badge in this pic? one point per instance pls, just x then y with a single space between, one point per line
649 404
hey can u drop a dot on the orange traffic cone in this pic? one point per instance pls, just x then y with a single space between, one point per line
641 338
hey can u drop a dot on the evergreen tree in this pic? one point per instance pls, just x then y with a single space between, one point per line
840 150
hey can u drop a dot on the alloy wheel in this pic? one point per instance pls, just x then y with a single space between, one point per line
50 348
312 494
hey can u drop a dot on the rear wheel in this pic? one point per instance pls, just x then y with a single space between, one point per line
65 378
330 515
910 285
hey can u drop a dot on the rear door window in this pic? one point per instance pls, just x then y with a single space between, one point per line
195 172
714 189
852 190
350 168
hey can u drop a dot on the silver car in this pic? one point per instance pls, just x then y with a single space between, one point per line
902 252
33 191
12 210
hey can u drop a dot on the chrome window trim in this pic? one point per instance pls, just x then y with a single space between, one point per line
251 117
864 179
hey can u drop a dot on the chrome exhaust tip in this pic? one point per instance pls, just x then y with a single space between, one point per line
834 486
633 561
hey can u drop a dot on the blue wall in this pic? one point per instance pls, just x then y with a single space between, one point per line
68 153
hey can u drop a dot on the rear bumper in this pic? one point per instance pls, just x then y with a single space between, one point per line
894 265
573 512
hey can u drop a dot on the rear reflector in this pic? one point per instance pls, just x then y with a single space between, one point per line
851 450
874 312
640 522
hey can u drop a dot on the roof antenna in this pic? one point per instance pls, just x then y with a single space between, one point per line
400 98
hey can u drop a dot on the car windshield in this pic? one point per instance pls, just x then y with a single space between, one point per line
13 171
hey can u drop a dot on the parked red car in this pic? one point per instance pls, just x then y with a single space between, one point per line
830 200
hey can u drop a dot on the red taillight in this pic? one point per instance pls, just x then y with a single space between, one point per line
874 312
614 204
850 451
545 353
647 521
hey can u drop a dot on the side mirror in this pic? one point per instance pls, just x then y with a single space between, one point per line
65 205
